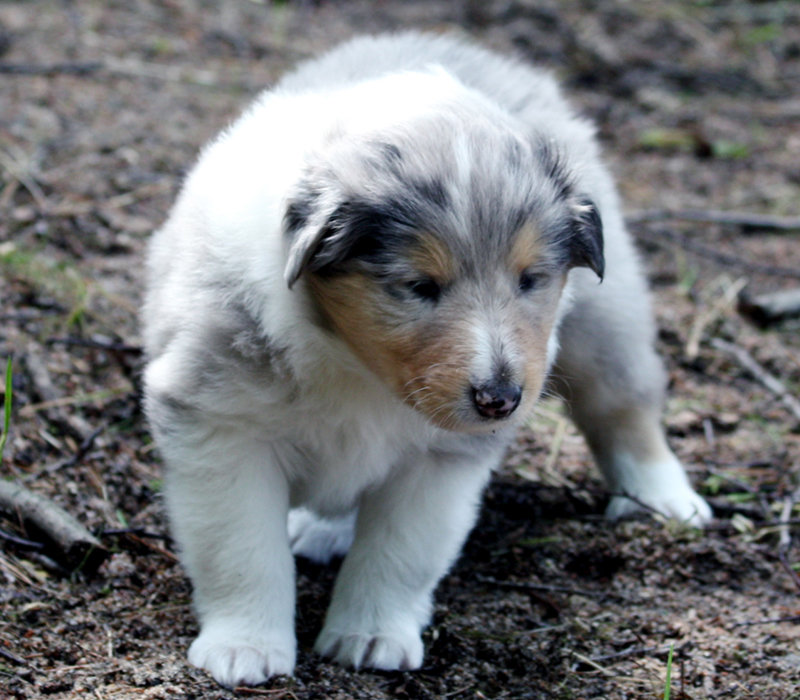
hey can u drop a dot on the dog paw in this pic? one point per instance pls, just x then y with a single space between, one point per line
320 539
681 504
234 661
387 651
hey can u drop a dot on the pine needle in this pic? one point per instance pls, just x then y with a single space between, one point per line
6 408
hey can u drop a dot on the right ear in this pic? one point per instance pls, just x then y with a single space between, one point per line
328 230
305 225
312 224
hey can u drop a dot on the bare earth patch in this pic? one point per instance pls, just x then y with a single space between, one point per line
103 106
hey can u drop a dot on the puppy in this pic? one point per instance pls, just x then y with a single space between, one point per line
363 287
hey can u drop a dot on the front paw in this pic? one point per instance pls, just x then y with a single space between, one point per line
241 659
681 504
394 650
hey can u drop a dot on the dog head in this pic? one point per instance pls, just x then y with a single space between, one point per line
438 250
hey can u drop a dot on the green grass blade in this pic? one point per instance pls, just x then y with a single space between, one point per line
668 684
6 409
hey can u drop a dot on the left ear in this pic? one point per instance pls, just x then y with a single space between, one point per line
586 236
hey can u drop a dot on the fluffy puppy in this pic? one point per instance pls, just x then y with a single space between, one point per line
364 285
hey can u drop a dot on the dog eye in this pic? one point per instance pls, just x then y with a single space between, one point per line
529 280
427 289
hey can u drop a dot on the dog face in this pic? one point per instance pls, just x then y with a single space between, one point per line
438 251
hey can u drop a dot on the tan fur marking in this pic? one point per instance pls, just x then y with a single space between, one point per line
431 258
527 249
425 364
533 322
349 303
532 338
434 371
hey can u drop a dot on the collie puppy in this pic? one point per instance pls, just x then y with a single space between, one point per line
364 286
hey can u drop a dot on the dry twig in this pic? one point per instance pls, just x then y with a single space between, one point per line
276 693
787 565
72 460
636 651
75 545
528 586
746 220
769 381
20 541
50 69
646 507
767 621
47 392
766 309
659 236
785 535
8 656
710 315
98 344
21 174
784 530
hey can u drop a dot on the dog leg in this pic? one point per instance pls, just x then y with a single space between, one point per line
320 539
408 534
613 383
640 469
228 507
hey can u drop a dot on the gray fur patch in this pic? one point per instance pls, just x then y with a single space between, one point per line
468 179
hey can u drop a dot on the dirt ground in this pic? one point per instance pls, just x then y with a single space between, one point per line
103 106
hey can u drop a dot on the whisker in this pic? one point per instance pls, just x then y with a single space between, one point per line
412 395
436 365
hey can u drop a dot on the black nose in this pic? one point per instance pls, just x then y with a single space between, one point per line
497 400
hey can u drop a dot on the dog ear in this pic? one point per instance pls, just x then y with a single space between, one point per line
586 236
585 229
326 233
304 226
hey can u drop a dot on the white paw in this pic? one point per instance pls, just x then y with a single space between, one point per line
241 660
388 651
320 539
678 503
660 488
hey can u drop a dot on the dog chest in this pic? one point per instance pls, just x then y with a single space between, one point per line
332 462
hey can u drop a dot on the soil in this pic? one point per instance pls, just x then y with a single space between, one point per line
103 108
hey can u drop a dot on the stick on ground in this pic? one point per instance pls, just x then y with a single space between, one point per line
766 309
48 393
744 219
73 544
770 381
662 236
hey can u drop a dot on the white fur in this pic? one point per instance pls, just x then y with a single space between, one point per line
258 409
660 487
320 539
